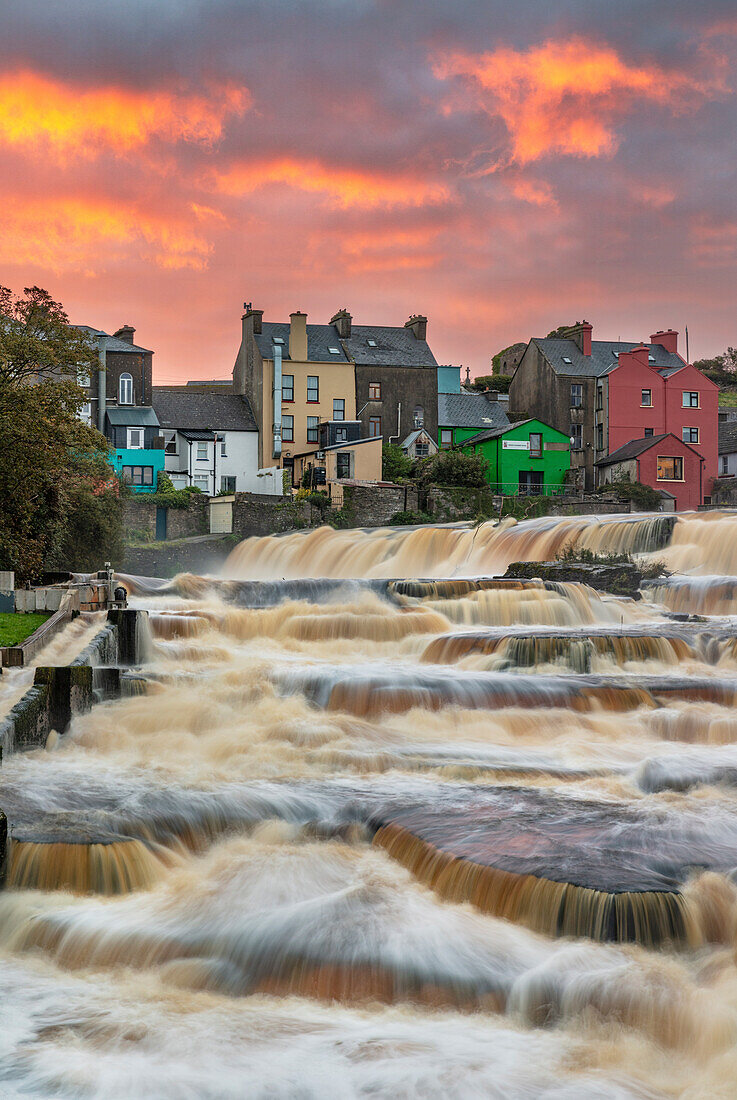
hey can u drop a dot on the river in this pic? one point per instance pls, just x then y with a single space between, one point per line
368 838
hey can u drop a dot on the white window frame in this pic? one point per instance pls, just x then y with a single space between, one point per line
202 482
170 443
125 392
202 446
446 438
139 434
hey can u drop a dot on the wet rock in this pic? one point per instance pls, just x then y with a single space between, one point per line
618 579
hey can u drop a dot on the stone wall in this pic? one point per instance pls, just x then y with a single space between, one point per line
374 505
261 514
139 519
205 554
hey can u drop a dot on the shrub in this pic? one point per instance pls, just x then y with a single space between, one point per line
405 519
644 495
453 468
395 465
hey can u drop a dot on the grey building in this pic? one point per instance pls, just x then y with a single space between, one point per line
728 448
461 415
124 377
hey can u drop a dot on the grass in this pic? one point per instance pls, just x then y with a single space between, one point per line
728 398
15 628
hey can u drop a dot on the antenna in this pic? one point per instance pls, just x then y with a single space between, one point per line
688 357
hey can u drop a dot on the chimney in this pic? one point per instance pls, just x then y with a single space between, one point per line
127 332
418 324
342 321
581 335
492 395
257 317
298 337
641 354
667 339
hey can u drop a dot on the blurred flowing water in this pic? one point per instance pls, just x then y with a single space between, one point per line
359 838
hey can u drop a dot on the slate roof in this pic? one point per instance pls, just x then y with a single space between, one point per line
319 339
466 410
203 411
413 436
728 438
135 416
603 356
112 343
396 346
494 433
632 449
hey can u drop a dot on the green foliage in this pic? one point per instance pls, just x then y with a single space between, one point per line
453 468
395 465
650 570
38 343
93 533
526 507
16 627
498 382
562 329
166 496
405 519
643 495
286 482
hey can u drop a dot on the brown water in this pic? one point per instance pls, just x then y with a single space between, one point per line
440 839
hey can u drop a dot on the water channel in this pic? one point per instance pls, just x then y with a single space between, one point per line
361 837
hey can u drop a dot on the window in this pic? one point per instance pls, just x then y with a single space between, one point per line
725 464
278 340
85 413
334 351
422 450
125 389
446 438
341 435
135 439
690 435
202 482
419 416
313 387
227 484
649 432
338 408
670 469
343 463
287 387
202 452
690 399
600 437
374 391
312 422
287 429
371 343
576 437
374 426
536 445
83 378
576 395
566 359
599 398
646 398
170 443
138 475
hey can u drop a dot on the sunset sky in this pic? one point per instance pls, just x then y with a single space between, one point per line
500 167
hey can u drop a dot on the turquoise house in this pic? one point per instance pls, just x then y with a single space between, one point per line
138 447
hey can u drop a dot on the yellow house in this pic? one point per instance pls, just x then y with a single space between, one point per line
296 376
358 460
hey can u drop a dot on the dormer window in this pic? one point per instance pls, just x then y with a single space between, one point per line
125 389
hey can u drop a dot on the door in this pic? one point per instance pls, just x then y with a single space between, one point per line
161 514
530 482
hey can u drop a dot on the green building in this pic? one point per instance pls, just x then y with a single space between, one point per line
528 457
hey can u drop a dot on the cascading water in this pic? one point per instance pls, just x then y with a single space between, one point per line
370 820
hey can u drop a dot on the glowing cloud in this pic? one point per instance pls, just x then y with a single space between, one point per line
40 114
87 234
562 97
345 187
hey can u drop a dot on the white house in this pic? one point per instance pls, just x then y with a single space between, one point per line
211 441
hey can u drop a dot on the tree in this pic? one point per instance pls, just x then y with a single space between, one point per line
453 468
37 342
60 501
561 330
484 382
395 465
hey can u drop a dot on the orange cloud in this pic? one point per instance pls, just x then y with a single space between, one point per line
536 192
562 97
88 234
345 187
39 114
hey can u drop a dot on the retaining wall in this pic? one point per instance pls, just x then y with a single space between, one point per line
139 519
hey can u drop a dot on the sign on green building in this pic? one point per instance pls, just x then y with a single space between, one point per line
529 457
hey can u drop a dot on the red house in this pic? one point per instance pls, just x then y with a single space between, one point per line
644 399
663 461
